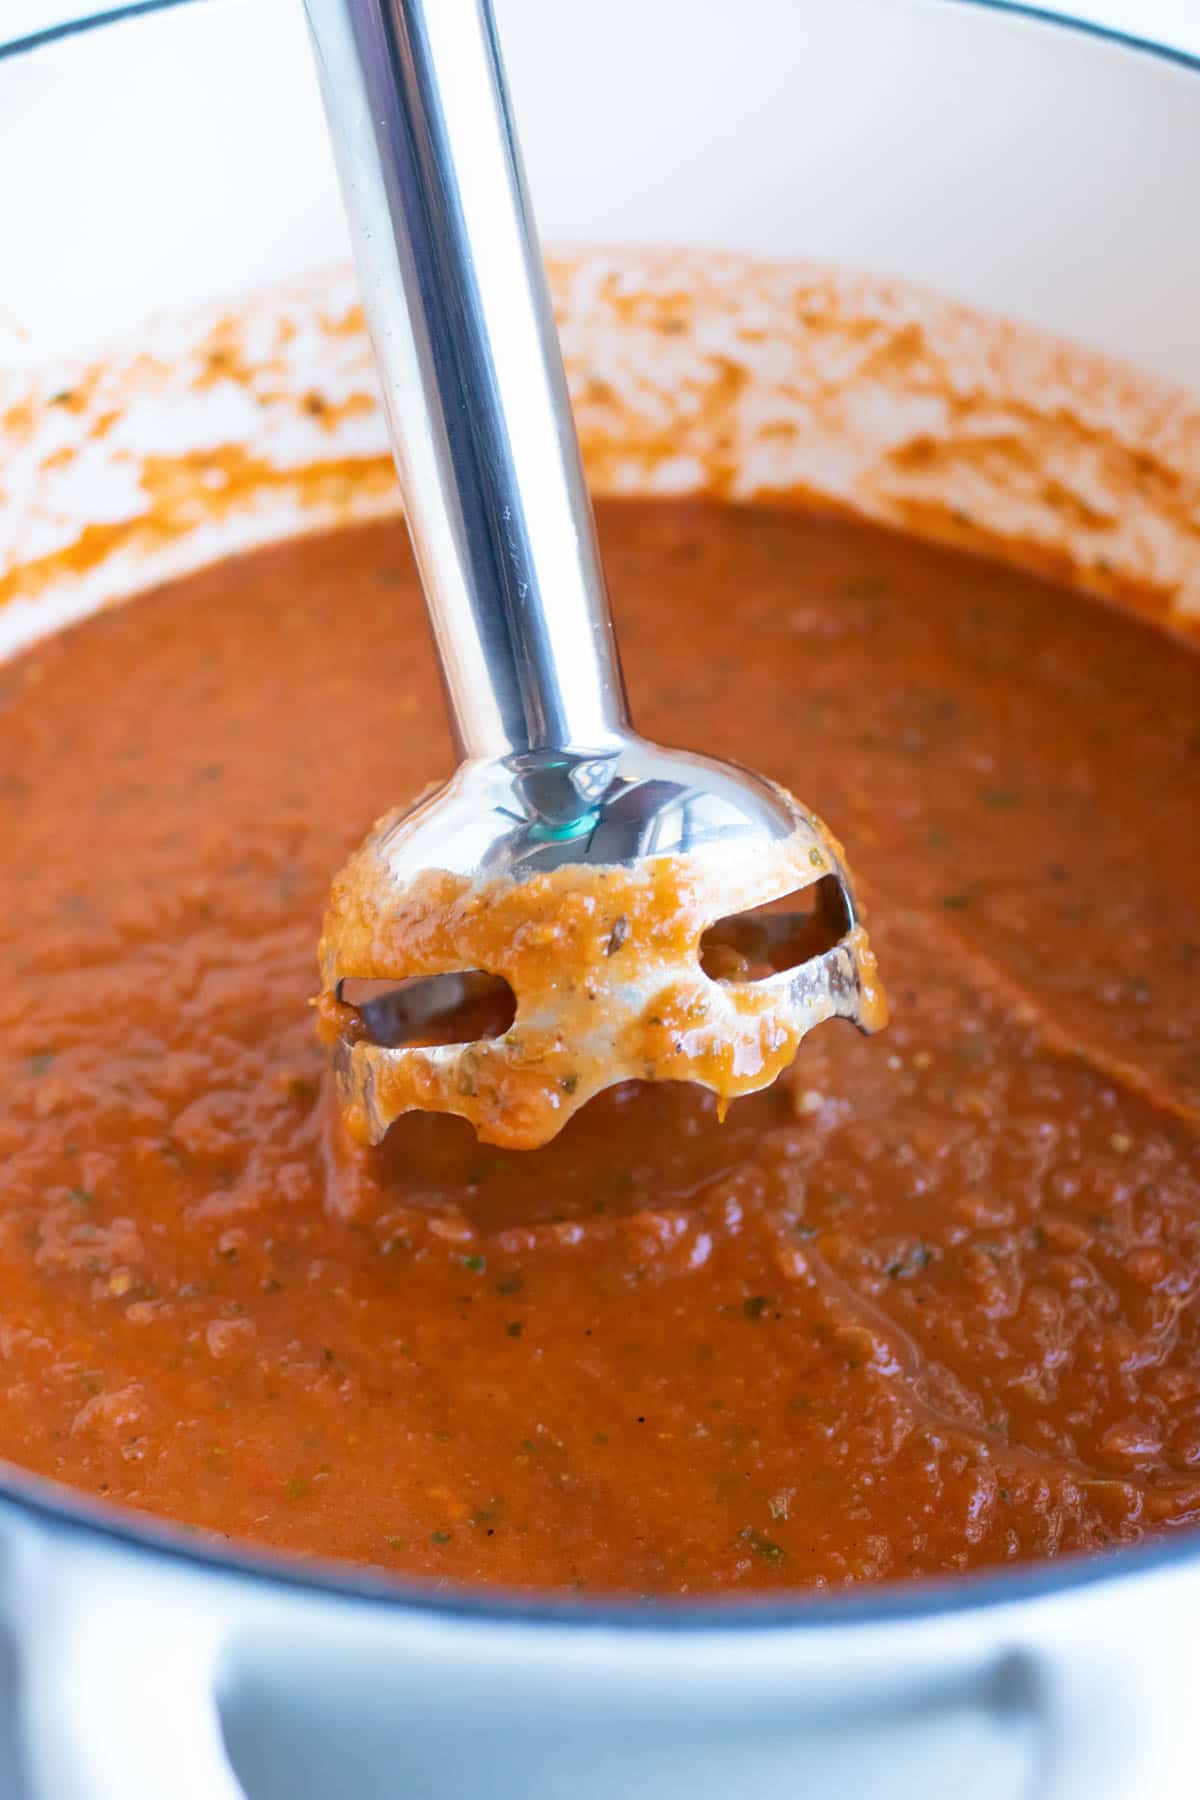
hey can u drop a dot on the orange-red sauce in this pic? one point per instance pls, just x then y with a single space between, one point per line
928 1304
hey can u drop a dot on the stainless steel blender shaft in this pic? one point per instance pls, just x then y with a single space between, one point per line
473 383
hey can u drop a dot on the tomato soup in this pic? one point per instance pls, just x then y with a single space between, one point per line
924 1306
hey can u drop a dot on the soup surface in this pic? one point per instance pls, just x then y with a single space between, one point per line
926 1305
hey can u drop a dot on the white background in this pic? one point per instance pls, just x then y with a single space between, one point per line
1174 22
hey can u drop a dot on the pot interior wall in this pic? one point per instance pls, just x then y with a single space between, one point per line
1017 165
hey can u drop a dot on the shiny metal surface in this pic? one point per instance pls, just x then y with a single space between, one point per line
492 480
472 376
490 469
521 815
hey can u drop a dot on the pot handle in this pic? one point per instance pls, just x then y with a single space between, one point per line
118 1693
1121 1710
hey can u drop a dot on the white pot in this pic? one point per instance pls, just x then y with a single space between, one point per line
1019 164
